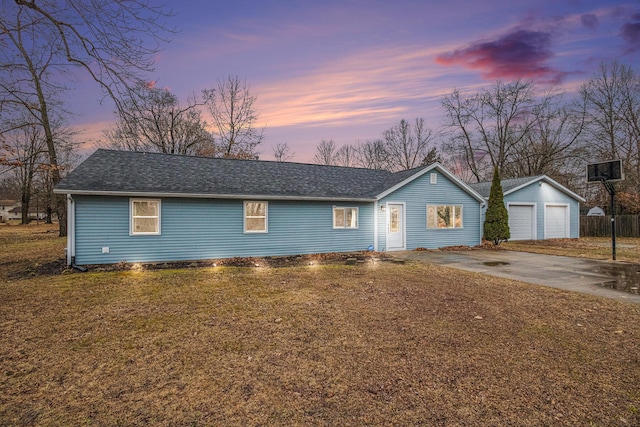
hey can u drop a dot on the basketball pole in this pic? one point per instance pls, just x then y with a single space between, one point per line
612 192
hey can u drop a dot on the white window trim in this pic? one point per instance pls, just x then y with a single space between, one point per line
132 232
445 228
333 217
266 217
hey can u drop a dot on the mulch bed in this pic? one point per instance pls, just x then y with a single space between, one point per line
59 266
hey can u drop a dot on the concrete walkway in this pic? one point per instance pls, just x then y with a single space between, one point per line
600 278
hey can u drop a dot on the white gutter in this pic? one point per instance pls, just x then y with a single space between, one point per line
211 196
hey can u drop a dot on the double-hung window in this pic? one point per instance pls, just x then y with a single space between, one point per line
145 217
255 217
345 217
444 216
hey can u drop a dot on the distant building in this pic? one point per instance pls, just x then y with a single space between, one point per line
35 212
6 210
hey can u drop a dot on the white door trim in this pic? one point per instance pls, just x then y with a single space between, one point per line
567 218
403 225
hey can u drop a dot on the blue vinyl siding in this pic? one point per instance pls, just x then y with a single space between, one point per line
417 195
194 229
545 193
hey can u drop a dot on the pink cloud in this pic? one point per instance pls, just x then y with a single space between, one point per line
518 54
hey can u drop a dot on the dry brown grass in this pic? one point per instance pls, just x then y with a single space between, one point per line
627 248
372 344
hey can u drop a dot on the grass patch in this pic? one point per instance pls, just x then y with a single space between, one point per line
627 248
371 344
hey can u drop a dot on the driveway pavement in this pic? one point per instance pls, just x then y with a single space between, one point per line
616 280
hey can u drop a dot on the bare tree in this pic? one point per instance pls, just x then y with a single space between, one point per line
106 39
372 154
407 144
282 152
24 149
23 152
485 127
152 119
232 110
612 99
552 144
325 152
346 156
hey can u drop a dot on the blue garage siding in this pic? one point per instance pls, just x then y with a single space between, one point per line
541 193
416 195
194 229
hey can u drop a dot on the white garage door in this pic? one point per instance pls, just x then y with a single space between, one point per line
556 222
521 223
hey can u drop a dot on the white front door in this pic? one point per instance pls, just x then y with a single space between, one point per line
395 226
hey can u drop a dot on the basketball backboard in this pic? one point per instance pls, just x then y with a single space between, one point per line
605 171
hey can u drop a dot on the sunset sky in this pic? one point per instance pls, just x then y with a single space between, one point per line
347 70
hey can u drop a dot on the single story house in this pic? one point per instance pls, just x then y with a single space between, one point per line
151 207
539 207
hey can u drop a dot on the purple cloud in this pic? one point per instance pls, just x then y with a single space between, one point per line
519 54
631 32
590 21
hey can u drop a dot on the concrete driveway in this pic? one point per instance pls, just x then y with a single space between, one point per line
616 280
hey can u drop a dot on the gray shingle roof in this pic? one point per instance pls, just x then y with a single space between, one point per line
484 188
110 171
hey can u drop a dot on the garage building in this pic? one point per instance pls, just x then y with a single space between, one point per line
539 207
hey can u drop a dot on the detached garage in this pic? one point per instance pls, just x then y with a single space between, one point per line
539 208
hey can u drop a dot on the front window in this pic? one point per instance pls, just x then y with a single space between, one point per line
145 216
444 216
345 217
255 217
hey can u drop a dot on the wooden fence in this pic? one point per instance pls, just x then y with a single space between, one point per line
600 226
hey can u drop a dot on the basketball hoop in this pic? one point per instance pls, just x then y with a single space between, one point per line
608 173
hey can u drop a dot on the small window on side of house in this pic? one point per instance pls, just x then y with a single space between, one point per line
145 217
433 178
255 217
345 217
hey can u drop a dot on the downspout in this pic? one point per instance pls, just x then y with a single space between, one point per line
71 229
71 235
375 225
482 205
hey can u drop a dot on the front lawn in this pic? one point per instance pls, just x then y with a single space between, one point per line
371 344
627 248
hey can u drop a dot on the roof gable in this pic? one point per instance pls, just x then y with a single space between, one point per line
418 172
512 185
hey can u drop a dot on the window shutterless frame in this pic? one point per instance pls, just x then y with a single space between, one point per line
256 216
144 217
345 218
444 217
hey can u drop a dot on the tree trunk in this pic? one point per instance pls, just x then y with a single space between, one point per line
61 213
25 209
